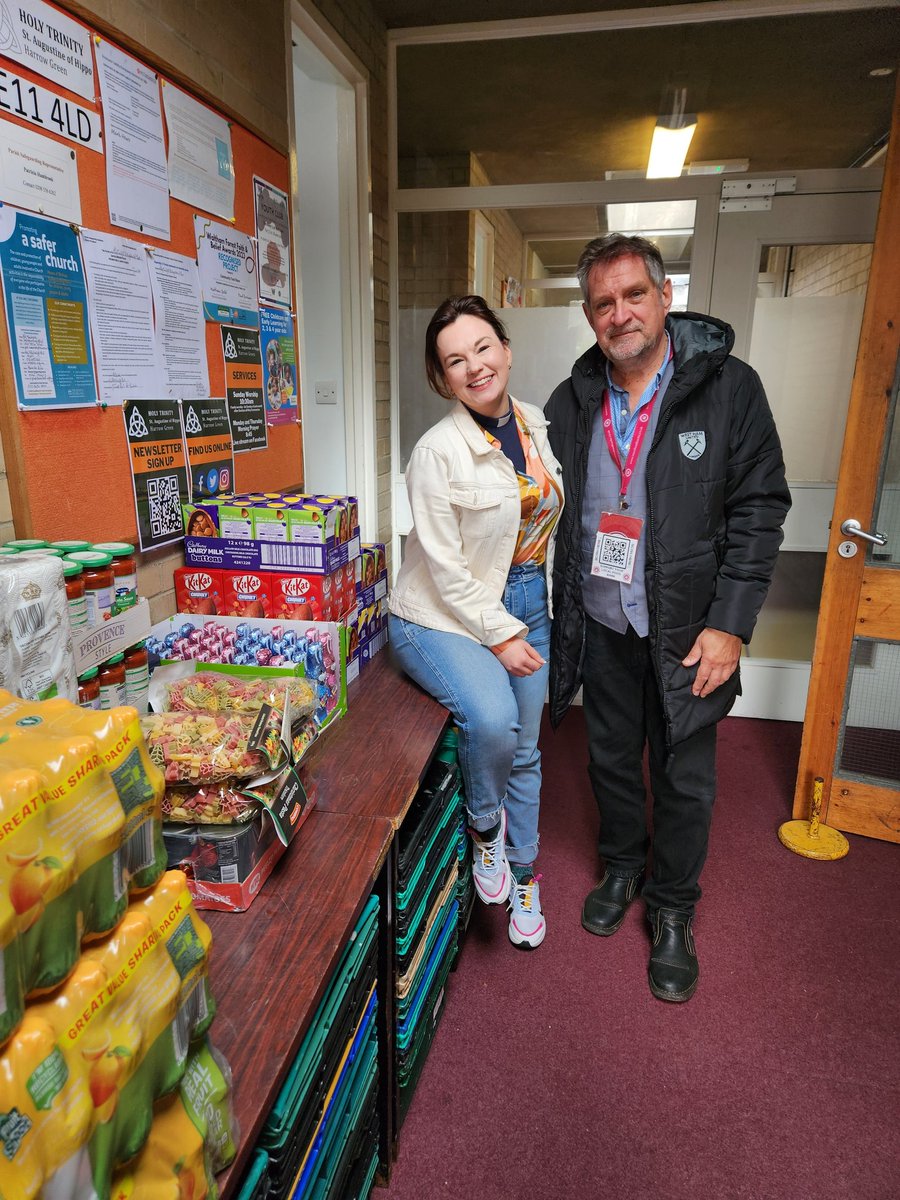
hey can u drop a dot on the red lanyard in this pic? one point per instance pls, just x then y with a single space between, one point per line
637 439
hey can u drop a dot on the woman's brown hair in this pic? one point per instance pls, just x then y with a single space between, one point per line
445 314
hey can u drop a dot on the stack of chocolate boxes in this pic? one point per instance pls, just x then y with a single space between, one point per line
286 556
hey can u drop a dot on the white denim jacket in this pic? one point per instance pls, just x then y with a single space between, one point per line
466 510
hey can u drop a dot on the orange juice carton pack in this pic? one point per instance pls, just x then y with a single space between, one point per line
84 812
37 875
191 1138
138 782
122 1022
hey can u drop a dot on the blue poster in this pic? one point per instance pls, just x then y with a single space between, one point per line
46 311
276 336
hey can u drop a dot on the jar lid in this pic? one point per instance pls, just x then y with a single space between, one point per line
114 658
91 558
9 552
136 646
116 549
71 568
71 547
44 552
27 544
90 673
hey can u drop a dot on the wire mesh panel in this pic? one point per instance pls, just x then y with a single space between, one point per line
870 738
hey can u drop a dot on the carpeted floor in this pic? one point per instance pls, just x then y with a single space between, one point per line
556 1074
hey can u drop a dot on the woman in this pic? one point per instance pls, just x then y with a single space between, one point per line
469 615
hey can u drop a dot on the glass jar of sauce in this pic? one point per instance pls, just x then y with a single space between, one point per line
76 602
89 689
125 571
137 676
98 584
112 682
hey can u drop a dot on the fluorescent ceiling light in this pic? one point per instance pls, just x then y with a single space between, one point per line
668 150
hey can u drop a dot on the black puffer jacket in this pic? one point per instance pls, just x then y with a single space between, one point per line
714 522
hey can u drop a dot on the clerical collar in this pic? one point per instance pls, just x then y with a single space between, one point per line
492 422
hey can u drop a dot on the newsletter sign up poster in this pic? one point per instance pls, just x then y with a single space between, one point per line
244 388
276 334
46 312
207 435
158 468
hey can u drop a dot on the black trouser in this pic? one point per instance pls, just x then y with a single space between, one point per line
623 711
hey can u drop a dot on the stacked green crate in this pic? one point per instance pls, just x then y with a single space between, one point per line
426 917
465 886
322 1131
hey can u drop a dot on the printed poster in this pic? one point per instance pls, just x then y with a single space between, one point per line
49 43
137 184
158 469
46 312
121 317
47 110
276 335
38 173
201 164
207 436
244 388
180 328
227 266
273 242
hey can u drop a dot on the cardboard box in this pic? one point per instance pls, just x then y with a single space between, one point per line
247 594
314 650
92 646
307 597
237 554
226 865
198 591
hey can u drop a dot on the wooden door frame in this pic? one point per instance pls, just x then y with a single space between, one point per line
843 612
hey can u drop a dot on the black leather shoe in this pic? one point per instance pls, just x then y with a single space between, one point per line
674 971
605 907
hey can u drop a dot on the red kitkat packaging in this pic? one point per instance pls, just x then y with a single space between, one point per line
304 597
199 590
247 593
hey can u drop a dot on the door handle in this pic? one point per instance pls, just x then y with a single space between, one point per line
852 528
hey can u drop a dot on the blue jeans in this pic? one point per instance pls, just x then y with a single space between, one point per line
498 714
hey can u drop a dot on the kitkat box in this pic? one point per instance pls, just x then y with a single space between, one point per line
247 594
199 591
304 597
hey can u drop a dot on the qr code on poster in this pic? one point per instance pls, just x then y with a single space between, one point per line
165 506
614 551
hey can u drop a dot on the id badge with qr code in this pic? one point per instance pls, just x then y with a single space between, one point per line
616 546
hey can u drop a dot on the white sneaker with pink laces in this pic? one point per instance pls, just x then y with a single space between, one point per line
491 872
527 927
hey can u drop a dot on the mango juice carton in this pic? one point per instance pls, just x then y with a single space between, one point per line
11 973
199 591
37 876
84 812
138 782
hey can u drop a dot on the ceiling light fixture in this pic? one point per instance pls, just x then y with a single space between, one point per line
671 138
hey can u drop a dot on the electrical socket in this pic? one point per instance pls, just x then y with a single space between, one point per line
326 392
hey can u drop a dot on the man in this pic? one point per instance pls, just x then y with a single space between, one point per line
675 498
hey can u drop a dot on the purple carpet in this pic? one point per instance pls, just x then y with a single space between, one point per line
556 1074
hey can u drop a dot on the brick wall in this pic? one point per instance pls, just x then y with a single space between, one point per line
830 270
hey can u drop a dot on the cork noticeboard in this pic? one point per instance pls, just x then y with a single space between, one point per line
68 469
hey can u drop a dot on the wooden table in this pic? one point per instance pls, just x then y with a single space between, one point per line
372 762
271 965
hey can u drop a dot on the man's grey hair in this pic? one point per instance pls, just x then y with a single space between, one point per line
611 246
